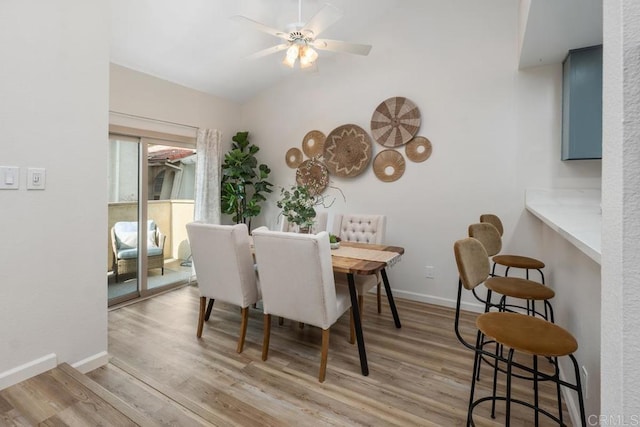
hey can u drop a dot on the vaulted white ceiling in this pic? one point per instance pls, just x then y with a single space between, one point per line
195 43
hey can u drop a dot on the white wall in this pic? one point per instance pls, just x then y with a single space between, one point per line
495 132
53 114
138 94
620 219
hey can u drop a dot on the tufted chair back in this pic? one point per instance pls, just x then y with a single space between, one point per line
360 228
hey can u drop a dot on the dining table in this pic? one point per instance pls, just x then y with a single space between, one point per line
353 258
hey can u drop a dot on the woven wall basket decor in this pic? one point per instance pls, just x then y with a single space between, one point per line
347 151
388 165
395 122
418 149
313 175
313 144
293 157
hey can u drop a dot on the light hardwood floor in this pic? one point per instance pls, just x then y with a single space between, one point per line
419 374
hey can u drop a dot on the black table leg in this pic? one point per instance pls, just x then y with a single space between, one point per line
209 307
364 366
392 304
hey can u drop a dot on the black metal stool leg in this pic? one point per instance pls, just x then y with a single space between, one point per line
536 399
579 390
487 307
495 380
507 420
550 315
478 355
541 275
559 388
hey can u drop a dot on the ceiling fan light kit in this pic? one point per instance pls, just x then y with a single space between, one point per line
300 39
304 52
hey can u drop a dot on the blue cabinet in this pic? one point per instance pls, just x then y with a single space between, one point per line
582 104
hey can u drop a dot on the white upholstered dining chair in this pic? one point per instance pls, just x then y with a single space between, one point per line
296 278
224 269
361 228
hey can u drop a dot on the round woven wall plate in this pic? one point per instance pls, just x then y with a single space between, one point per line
313 143
418 149
395 122
293 157
313 175
347 151
388 165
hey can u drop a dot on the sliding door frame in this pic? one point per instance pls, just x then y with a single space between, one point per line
145 138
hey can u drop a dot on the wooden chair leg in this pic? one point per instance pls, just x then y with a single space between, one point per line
243 328
323 357
361 304
203 303
267 335
209 308
379 299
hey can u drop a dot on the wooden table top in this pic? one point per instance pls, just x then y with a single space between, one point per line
361 266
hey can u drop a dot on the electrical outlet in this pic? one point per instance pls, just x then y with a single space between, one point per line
585 381
430 272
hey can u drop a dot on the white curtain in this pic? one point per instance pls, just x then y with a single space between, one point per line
208 174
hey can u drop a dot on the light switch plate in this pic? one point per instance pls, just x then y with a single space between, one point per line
36 178
9 177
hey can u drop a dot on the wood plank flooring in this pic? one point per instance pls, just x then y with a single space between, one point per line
419 374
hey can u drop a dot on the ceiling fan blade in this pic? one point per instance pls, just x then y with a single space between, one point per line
322 20
340 46
269 51
261 27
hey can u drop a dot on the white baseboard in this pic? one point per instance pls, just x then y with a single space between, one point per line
48 362
28 370
446 302
92 362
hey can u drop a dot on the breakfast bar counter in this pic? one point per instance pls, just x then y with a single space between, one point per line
575 214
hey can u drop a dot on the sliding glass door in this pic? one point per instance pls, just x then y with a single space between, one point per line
123 218
151 186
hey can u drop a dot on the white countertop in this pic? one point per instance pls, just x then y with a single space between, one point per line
575 214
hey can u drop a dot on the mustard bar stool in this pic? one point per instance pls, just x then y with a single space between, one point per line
507 287
513 287
517 332
511 261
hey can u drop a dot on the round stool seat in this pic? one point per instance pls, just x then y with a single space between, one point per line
519 288
527 334
518 261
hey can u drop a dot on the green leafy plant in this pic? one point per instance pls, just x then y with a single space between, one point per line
297 205
333 238
244 182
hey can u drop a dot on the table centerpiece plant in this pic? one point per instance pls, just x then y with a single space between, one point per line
298 205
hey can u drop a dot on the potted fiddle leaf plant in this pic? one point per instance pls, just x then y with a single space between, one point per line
244 181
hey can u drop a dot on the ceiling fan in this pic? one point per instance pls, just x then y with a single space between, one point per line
300 39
